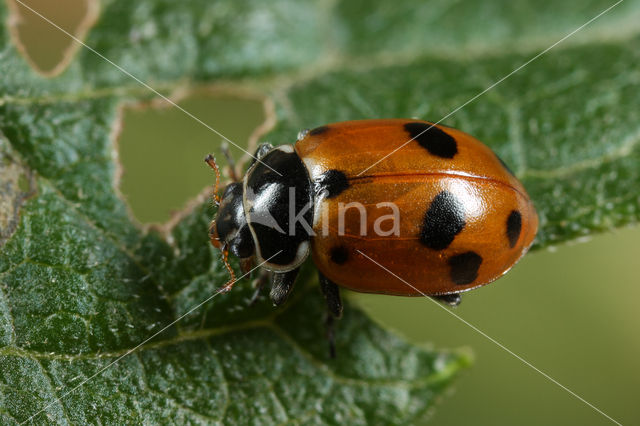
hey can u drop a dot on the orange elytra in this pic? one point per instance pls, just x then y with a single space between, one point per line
431 204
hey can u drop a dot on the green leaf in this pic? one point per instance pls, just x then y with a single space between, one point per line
81 284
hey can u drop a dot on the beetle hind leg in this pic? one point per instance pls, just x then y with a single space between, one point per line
452 300
331 294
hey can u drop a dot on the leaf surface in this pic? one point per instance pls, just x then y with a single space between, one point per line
81 284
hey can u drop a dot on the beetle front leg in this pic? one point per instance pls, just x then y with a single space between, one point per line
281 285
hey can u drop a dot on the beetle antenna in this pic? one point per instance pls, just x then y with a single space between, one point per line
232 280
232 163
211 161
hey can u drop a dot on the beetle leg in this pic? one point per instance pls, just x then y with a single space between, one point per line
232 280
246 264
303 134
334 309
281 285
259 284
262 150
452 300
213 236
332 295
331 334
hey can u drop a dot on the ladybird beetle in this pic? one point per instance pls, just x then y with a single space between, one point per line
444 213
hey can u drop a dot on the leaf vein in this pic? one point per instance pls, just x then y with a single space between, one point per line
225 382
2 411
9 314
626 148
515 136
58 400
165 395
400 384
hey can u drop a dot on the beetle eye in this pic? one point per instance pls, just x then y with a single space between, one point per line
232 187
242 245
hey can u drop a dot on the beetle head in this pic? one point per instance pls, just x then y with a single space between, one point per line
230 227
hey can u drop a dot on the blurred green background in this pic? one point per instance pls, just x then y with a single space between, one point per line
572 312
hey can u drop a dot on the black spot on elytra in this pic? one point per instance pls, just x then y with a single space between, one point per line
339 254
464 267
514 226
435 140
319 130
443 221
333 182
505 165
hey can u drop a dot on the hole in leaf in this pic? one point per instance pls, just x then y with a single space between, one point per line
16 185
162 150
47 49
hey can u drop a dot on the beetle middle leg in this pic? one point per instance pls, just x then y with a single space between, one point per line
331 293
259 282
